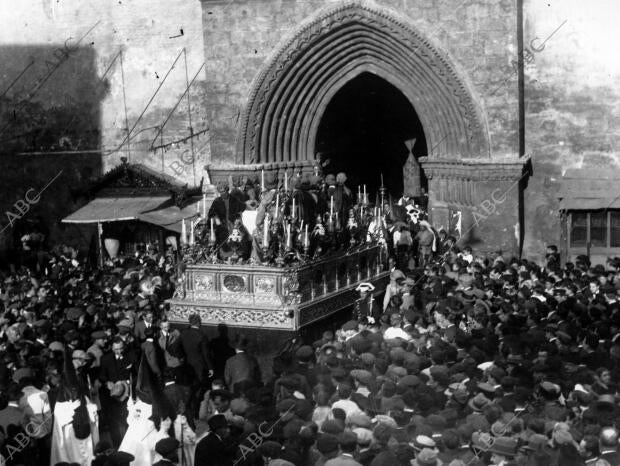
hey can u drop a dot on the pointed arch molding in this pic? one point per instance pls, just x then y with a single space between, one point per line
290 94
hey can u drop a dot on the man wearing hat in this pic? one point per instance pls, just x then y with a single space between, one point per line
168 449
366 305
427 457
327 445
304 356
347 441
216 448
100 339
503 449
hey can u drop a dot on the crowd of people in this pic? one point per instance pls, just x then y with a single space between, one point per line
461 360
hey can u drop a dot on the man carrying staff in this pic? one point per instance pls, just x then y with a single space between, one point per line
366 306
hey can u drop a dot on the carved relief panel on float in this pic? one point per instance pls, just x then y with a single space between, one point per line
274 297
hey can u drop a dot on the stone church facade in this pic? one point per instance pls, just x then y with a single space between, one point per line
508 111
275 66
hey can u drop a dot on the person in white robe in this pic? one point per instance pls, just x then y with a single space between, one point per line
66 447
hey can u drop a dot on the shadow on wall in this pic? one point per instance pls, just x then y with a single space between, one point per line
50 121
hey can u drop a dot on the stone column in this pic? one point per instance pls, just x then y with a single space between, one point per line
486 193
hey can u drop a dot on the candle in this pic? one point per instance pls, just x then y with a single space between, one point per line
359 193
198 207
306 237
277 205
293 210
382 180
262 180
288 235
211 228
331 209
365 198
191 232
204 205
183 232
266 232
285 181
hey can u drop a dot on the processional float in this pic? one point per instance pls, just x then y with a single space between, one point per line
304 273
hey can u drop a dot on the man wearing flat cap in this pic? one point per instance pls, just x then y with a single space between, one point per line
347 441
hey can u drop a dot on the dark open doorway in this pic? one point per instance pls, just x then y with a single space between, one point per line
365 131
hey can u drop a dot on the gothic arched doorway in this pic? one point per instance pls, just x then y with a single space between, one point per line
290 95
369 129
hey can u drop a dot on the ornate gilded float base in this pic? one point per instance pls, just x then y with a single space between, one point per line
276 298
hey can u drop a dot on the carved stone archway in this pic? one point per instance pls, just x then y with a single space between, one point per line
290 94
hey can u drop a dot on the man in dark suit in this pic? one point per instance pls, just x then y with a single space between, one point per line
143 324
170 343
177 395
151 353
608 445
242 366
116 367
196 348
200 368
168 449
220 346
216 448
224 209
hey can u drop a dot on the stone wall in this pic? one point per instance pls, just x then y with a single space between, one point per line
572 102
479 38
571 86
63 93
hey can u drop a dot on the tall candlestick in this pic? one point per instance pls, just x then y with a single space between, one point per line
183 232
277 205
285 181
266 232
262 180
293 210
204 205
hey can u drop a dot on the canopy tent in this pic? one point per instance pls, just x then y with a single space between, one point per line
159 211
113 209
